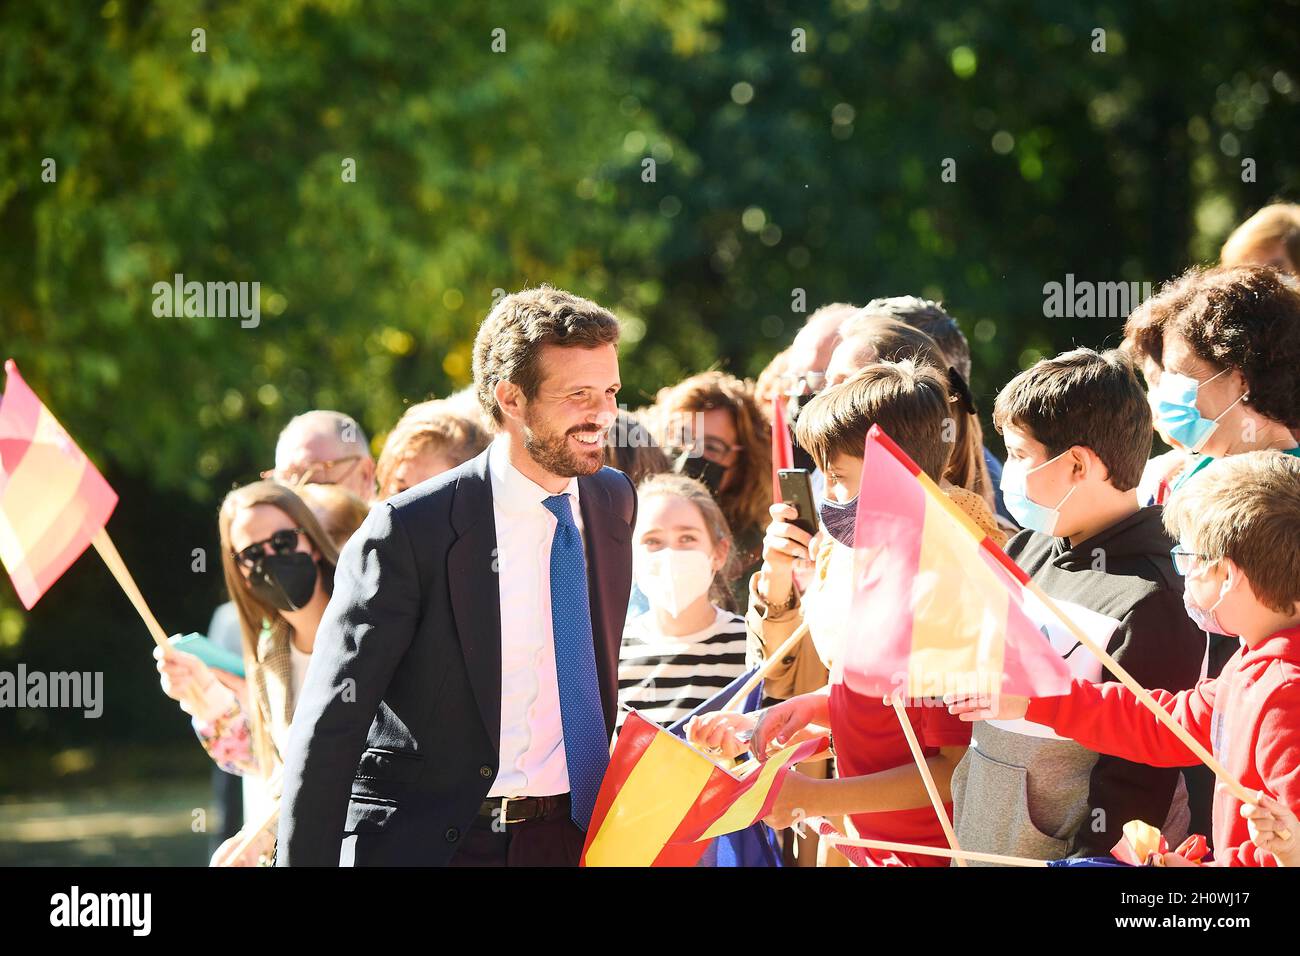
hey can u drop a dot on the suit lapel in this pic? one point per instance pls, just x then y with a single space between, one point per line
475 595
608 573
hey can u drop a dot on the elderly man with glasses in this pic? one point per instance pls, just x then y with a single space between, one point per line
323 447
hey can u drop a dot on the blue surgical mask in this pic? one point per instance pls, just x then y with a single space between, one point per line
1015 494
1176 411
840 519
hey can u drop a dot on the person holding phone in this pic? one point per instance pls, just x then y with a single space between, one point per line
877 782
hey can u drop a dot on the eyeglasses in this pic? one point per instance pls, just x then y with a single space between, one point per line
284 541
802 383
716 446
316 472
1183 562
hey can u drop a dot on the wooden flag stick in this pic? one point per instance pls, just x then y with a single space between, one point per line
108 551
931 851
928 778
766 668
1142 694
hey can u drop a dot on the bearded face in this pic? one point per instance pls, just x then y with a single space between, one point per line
564 425
571 452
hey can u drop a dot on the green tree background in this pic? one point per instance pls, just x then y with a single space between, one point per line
774 170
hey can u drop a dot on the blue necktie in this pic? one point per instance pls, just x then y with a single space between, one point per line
586 745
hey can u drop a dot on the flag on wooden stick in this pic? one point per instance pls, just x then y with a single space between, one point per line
53 501
939 608
662 800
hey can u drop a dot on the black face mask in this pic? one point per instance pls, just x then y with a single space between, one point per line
710 473
284 581
840 519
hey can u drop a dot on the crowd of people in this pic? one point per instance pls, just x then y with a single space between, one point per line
1190 558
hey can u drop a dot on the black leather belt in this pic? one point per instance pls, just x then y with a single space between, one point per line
511 810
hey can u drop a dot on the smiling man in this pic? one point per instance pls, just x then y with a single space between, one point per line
464 682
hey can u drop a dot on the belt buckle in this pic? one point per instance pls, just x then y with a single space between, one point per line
505 811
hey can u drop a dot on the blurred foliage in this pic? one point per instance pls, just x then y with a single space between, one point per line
774 170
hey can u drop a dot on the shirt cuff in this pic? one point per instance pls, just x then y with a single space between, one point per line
1042 710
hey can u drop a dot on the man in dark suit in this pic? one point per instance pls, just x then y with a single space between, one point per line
463 686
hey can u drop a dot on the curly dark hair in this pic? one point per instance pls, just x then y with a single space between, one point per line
1245 318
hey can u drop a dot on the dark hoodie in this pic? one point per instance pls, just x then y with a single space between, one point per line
1038 796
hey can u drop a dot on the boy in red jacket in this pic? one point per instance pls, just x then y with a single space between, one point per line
1238 524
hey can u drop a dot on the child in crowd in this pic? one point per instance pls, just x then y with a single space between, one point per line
685 647
879 786
1238 528
1078 431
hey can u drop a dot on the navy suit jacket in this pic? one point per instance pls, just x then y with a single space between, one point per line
394 742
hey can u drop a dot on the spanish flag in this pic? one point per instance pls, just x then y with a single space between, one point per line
938 608
662 801
52 499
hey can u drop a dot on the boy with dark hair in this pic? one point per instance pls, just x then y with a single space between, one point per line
1078 431
878 783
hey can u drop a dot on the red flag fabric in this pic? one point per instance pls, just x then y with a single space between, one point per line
938 606
662 801
53 501
782 447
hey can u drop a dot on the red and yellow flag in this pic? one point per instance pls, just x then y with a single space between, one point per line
662 801
939 608
52 499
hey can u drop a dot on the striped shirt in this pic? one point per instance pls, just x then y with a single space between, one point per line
665 677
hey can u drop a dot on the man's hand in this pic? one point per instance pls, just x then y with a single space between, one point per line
720 734
1001 707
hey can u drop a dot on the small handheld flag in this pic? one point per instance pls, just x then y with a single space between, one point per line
662 800
940 608
53 501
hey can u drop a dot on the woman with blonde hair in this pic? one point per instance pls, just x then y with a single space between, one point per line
1271 237
278 564
429 438
713 416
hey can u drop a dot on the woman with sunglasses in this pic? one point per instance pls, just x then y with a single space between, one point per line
279 570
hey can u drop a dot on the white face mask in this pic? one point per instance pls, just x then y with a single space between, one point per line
673 579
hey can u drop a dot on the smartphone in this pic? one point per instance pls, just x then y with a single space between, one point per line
210 653
796 491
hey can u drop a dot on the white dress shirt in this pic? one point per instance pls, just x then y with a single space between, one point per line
532 735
